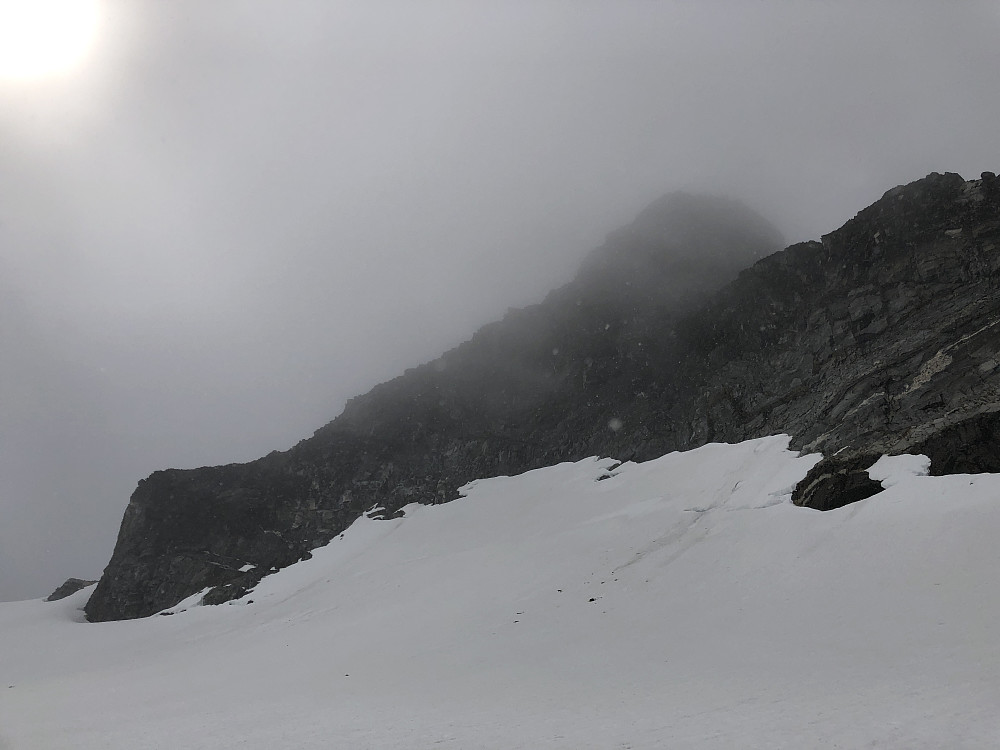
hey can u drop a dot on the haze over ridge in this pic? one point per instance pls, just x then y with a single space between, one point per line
239 218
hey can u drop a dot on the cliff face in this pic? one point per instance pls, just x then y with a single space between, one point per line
880 338
883 338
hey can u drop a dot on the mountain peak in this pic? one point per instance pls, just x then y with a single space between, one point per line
682 216
882 338
680 248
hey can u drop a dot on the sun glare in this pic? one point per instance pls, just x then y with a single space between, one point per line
41 38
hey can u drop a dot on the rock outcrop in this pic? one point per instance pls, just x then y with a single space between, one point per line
67 588
883 337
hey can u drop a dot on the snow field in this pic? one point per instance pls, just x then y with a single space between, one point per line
679 603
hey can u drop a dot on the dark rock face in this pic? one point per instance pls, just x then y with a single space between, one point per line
69 586
883 337
870 342
835 482
971 446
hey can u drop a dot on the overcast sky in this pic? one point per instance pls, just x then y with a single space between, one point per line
237 214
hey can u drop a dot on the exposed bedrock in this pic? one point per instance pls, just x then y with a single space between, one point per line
883 337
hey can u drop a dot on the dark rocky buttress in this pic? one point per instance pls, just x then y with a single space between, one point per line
881 338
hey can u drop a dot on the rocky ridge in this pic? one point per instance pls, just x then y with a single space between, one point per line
883 337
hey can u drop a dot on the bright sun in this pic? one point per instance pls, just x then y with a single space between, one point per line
40 38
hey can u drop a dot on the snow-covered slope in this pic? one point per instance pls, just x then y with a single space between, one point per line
680 603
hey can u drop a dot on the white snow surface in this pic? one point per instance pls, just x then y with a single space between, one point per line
680 603
891 470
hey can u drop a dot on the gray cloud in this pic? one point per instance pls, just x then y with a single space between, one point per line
244 212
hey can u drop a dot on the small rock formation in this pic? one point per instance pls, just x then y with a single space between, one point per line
882 338
835 482
70 586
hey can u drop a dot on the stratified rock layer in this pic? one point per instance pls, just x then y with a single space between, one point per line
880 338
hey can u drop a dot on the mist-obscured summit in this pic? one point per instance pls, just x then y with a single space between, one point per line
678 249
707 223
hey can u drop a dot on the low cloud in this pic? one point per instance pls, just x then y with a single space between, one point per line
240 216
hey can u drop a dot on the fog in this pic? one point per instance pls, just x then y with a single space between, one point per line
236 215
